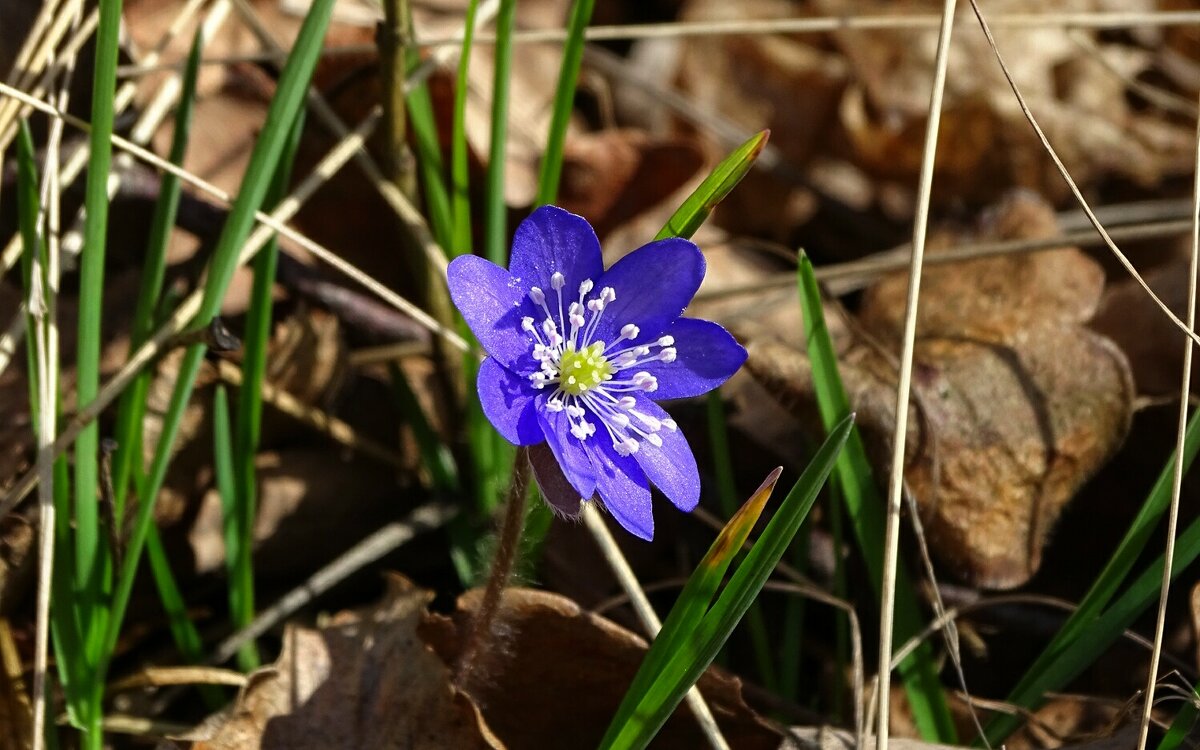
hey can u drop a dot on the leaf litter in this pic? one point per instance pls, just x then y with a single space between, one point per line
1028 367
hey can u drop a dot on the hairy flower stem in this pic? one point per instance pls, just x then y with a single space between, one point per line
507 546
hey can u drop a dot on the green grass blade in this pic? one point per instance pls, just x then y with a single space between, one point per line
282 113
695 598
1098 635
239 539
564 102
183 630
29 205
792 638
719 183
1182 726
132 406
460 177
643 712
88 548
495 216
248 421
1116 570
66 631
429 150
718 437
852 477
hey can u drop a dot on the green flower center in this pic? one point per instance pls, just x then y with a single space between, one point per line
582 370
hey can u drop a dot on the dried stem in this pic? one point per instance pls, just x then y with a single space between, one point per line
393 36
895 486
507 545
1177 473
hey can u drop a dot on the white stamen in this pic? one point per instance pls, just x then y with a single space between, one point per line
651 423
645 381
586 386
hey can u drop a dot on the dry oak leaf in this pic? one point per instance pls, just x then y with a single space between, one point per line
1015 404
366 680
1077 90
555 674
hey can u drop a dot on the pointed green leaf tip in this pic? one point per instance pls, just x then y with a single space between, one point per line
719 183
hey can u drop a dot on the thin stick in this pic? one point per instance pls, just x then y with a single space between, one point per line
845 22
853 275
1177 475
747 27
645 612
507 547
903 389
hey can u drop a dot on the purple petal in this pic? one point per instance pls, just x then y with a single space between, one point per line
707 355
556 490
653 285
493 303
508 401
551 240
671 467
623 488
575 463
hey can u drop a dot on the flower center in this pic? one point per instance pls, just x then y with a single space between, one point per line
583 369
586 374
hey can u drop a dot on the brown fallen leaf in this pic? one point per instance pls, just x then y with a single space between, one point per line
364 680
1015 404
557 674
613 175
1079 93
786 83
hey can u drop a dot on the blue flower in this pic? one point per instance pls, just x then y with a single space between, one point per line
579 356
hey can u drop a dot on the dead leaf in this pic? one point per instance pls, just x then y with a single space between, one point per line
785 83
613 175
558 673
1015 404
1152 342
986 146
364 680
